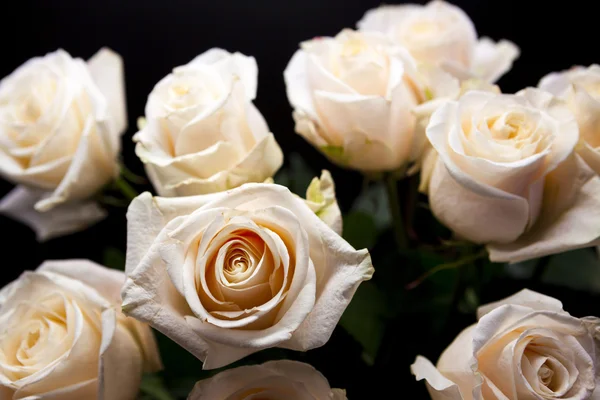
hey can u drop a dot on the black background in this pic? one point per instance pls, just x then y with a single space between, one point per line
154 36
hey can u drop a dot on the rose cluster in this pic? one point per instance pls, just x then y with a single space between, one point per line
226 262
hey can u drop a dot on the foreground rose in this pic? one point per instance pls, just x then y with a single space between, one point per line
507 175
231 273
274 380
523 347
202 133
60 125
62 336
441 34
580 87
352 97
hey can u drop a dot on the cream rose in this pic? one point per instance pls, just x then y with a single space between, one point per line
62 336
231 273
274 380
352 97
202 133
60 125
441 34
580 87
523 347
507 175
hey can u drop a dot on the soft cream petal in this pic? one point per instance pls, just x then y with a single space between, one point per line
470 214
527 298
262 162
492 60
59 221
147 216
121 364
107 282
439 387
569 220
297 85
93 165
106 67
590 155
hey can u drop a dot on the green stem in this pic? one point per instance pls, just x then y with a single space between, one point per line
128 191
132 177
441 267
396 211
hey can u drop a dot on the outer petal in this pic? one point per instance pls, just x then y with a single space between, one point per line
261 163
470 214
570 218
490 61
590 155
106 68
438 386
229 65
107 282
314 381
59 221
94 164
526 298
121 364
297 85
148 215
149 296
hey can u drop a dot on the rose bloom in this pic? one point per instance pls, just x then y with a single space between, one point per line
231 273
507 175
353 97
271 380
441 34
60 125
202 134
62 336
580 87
523 347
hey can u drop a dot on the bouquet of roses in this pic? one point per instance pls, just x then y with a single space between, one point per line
245 266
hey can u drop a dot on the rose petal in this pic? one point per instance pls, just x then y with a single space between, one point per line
61 220
438 386
106 68
120 366
570 218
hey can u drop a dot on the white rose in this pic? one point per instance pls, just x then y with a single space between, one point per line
276 380
443 35
202 132
231 273
507 175
62 336
440 87
60 125
580 87
523 347
352 97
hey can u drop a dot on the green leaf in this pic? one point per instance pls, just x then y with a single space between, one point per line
113 258
365 319
360 230
153 387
